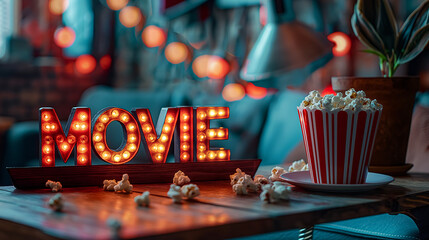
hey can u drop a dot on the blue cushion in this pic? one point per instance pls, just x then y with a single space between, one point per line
282 130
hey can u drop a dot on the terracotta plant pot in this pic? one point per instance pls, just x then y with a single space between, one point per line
397 96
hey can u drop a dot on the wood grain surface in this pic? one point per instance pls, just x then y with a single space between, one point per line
216 214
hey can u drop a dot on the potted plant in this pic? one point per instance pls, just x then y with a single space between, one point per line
375 25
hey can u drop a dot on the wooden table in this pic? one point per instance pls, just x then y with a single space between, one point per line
216 214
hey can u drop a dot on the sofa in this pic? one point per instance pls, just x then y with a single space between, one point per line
265 128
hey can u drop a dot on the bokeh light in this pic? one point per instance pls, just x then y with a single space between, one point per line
130 16
64 37
116 4
328 90
233 92
176 52
217 67
342 43
199 66
256 92
153 36
58 7
105 62
85 64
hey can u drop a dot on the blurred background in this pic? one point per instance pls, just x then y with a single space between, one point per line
258 58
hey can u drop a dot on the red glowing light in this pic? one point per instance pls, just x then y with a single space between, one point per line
263 15
342 43
105 62
256 92
64 37
85 64
176 52
217 67
153 36
199 66
116 4
130 16
328 90
58 7
233 92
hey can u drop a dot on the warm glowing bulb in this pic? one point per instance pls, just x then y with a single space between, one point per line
124 117
59 138
185 137
222 154
256 92
199 66
83 127
185 117
185 127
212 112
53 127
201 147
153 36
143 117
221 112
83 116
126 155
342 43
65 146
100 147
217 67
167 128
48 139
117 158
163 138
99 127
161 148
147 128
158 156
132 138
211 155
97 137
170 119
176 52
47 149
116 4
185 146
202 115
64 37
154 147
104 118
132 147
46 117
48 159
58 7
82 139
131 127
211 133
201 156
46 127
106 155
82 148
184 156
130 16
233 92
114 113
151 137
82 158
201 137
76 126
202 126
220 133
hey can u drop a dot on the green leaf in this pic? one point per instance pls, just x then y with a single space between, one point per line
417 19
379 54
368 32
416 44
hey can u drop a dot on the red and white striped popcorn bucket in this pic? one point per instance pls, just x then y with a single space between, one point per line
338 143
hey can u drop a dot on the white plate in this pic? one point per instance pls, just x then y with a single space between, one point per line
303 180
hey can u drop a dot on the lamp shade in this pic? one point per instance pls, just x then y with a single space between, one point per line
284 46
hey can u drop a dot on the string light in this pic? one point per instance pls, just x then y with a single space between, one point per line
64 37
217 67
153 36
85 64
130 16
342 43
58 7
256 92
116 4
176 52
199 66
233 92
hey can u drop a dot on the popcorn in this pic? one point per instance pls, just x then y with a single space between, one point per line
180 178
56 202
276 173
142 200
236 176
190 191
108 185
124 185
354 101
175 193
299 165
55 186
275 192
244 185
260 180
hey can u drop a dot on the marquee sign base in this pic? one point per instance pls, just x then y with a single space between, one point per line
82 176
